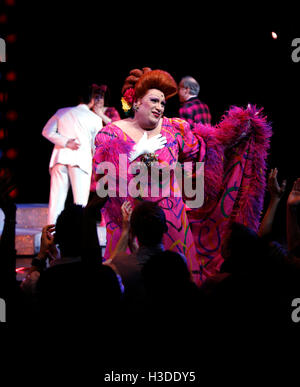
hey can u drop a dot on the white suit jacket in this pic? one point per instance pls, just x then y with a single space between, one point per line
73 122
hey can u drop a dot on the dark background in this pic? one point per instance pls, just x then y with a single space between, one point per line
62 46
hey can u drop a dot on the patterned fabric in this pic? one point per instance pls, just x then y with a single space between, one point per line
234 153
194 111
181 146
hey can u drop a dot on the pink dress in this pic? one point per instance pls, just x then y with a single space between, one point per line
181 146
235 181
112 113
234 154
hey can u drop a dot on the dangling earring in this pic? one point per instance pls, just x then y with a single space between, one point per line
135 107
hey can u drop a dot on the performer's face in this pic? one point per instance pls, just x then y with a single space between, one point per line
151 108
99 102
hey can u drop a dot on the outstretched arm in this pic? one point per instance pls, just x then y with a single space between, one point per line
92 215
100 112
276 192
293 229
123 241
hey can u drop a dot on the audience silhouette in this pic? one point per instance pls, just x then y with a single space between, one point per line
255 288
73 287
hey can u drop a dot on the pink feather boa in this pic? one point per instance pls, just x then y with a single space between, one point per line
237 126
110 152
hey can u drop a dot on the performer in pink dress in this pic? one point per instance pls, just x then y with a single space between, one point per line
156 141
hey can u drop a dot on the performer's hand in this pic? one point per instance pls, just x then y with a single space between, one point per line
294 196
155 143
73 144
276 191
146 145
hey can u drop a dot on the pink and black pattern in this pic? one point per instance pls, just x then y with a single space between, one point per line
194 111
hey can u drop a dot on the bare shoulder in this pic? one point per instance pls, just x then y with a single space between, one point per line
123 124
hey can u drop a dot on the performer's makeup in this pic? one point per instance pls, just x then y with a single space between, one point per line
152 106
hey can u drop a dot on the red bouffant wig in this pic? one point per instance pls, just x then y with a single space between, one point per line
143 80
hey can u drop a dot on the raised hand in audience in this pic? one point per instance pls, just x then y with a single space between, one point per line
276 192
292 224
294 196
122 244
7 186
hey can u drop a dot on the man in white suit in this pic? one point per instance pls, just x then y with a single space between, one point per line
72 130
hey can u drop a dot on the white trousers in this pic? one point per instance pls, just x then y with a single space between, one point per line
61 177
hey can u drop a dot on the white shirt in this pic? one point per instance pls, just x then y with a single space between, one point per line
73 122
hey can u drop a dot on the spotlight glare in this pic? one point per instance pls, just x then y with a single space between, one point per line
274 35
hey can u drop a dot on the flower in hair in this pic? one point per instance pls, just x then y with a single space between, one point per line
127 99
125 106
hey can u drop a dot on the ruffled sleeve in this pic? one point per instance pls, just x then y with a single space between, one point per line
238 130
108 148
190 147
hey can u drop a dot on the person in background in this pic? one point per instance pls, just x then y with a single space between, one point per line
7 243
143 229
72 130
107 114
292 220
192 109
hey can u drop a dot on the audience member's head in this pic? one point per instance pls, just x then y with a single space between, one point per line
242 248
92 92
68 231
188 87
148 223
